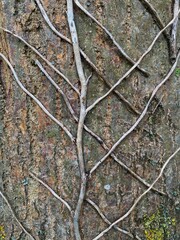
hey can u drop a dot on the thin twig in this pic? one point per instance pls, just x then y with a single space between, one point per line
135 175
58 88
51 191
131 69
140 118
82 116
42 57
46 18
70 210
173 47
107 221
36 100
119 95
159 102
99 139
102 77
139 198
14 215
155 16
87 80
111 37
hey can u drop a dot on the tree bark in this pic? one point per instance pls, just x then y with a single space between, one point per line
32 145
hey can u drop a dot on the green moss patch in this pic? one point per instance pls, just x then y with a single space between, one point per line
159 225
2 233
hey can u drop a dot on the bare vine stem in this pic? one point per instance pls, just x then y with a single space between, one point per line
14 216
71 110
111 37
140 118
47 20
82 116
69 208
98 138
149 7
87 199
43 58
139 198
84 110
133 67
173 47
119 95
52 192
108 222
36 100
102 77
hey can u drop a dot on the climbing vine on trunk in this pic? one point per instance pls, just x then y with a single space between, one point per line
81 108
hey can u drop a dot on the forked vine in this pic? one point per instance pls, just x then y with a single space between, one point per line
170 33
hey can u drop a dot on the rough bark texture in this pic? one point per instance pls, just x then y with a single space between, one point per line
31 141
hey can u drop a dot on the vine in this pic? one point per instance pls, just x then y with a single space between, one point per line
81 94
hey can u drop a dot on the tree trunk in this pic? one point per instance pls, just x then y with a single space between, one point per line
31 144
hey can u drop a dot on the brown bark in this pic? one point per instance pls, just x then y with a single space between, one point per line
32 142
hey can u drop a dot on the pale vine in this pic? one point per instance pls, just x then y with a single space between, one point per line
77 140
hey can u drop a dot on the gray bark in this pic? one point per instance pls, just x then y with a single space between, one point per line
30 141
